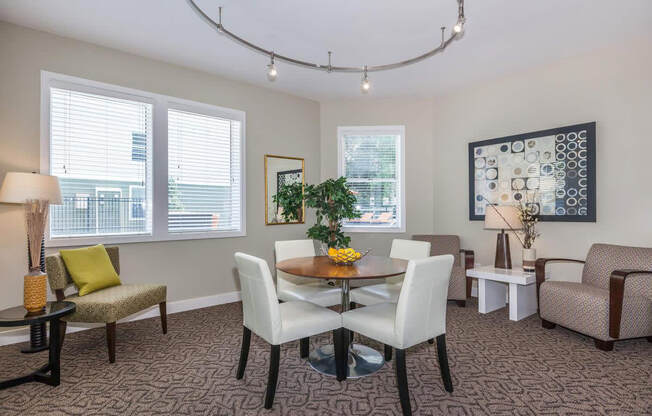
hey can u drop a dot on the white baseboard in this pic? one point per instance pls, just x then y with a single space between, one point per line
22 334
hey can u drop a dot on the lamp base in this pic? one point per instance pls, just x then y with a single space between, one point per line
503 253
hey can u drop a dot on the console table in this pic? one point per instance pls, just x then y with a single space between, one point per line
494 284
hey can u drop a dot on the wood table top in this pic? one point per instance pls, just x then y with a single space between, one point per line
321 267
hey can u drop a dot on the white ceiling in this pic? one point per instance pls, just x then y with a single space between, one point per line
502 36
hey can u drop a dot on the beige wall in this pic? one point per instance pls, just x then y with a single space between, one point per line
612 87
416 116
276 123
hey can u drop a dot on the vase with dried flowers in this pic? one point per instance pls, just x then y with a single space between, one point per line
35 285
529 218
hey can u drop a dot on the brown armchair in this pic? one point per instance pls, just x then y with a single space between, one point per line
460 285
613 300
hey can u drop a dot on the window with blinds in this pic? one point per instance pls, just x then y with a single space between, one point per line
203 173
91 149
370 159
137 166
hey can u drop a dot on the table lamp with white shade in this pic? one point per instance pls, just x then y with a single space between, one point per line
502 217
35 192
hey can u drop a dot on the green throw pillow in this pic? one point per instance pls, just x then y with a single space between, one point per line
90 268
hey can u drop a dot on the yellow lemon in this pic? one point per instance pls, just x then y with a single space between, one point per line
332 252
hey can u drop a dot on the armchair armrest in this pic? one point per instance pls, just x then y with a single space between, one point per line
616 295
540 270
469 262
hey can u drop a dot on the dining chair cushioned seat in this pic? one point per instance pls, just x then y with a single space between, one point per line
114 303
303 319
376 322
373 294
291 288
388 291
317 292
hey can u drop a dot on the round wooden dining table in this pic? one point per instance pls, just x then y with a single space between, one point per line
362 360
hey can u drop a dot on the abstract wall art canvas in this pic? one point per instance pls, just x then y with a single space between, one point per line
552 170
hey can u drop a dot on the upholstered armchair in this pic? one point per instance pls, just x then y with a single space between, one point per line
460 285
108 305
612 302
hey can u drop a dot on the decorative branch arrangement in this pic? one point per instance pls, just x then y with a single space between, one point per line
36 215
333 202
529 219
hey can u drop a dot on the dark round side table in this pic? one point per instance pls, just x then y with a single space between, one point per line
19 316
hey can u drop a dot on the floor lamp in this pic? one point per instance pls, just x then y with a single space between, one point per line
35 192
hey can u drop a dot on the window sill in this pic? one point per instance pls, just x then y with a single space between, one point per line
138 238
366 229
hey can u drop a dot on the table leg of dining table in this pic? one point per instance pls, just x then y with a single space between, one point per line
362 360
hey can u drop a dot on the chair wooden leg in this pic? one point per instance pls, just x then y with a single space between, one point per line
272 378
604 345
164 316
442 356
548 324
388 353
469 286
110 340
431 341
341 354
461 303
304 347
244 352
352 306
401 380
63 325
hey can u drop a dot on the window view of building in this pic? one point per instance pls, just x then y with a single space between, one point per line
100 148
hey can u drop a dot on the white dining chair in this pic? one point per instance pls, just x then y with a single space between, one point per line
289 288
278 323
419 315
388 291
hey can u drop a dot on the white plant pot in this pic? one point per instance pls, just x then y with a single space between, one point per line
529 259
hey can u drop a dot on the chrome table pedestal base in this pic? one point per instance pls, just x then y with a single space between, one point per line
363 360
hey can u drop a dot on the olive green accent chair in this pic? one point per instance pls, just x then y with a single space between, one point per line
107 305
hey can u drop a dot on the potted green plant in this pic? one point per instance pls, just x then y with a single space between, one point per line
333 202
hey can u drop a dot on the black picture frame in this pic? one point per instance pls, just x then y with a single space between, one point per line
590 167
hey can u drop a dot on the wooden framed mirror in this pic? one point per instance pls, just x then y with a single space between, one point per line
281 173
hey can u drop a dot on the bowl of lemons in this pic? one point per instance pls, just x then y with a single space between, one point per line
345 256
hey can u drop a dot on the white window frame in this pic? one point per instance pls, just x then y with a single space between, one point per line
160 105
131 204
342 131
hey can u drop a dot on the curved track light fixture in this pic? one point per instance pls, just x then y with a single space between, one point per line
272 72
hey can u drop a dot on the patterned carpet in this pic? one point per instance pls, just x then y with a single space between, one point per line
499 367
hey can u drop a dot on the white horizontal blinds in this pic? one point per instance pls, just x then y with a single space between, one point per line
100 148
371 165
203 173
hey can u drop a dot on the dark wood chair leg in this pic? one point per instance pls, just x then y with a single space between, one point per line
401 380
442 356
431 341
164 316
244 352
388 353
461 303
63 325
548 324
604 345
272 378
110 340
304 347
341 354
